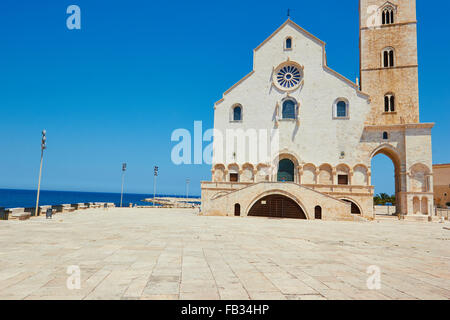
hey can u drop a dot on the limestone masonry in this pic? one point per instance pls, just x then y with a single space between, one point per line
441 174
321 129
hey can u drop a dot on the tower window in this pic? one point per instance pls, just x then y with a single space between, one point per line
288 111
389 103
289 43
388 58
388 16
385 136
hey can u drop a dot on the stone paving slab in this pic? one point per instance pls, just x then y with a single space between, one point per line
175 254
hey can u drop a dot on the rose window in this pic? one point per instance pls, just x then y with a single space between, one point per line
289 77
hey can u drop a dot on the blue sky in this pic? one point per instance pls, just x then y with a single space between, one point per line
115 90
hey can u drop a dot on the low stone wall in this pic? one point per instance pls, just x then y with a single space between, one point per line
385 210
26 213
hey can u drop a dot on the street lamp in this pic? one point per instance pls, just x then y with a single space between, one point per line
43 147
155 172
124 168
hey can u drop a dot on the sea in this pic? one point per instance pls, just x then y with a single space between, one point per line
13 198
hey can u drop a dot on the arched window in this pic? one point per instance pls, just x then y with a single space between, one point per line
385 136
288 111
288 43
389 103
341 109
237 209
237 113
286 171
388 58
318 212
388 16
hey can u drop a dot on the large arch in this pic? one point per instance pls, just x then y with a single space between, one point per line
390 152
355 207
280 193
277 206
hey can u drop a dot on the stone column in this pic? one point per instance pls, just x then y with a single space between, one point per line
300 174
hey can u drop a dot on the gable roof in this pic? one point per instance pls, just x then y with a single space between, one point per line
295 26
312 37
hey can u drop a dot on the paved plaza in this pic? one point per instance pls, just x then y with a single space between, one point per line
176 254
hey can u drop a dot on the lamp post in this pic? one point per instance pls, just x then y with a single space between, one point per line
155 172
43 147
187 188
124 168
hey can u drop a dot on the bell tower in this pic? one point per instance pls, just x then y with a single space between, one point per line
388 60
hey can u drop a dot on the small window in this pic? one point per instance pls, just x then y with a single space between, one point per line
237 113
234 177
237 210
318 213
389 103
343 179
387 16
288 43
341 109
288 111
388 58
385 136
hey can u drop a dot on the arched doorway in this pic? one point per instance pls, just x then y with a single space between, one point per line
355 209
285 171
318 213
385 173
277 206
237 209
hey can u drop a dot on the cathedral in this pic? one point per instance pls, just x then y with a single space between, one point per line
327 128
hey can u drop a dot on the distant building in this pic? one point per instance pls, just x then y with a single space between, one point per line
441 185
328 128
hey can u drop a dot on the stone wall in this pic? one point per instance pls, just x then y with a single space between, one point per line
401 80
441 184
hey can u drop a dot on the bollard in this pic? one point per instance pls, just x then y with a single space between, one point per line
49 213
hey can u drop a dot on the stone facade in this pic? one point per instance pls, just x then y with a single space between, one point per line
441 174
401 79
327 128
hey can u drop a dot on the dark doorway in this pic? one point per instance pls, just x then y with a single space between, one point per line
318 212
234 177
277 206
343 179
355 208
237 210
285 171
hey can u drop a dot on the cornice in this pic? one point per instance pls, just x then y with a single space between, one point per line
399 126
385 26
